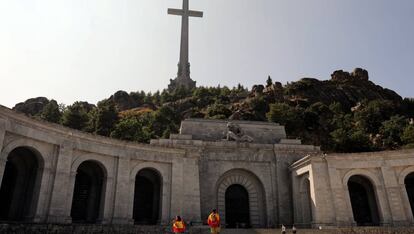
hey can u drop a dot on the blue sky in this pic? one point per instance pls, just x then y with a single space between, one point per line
87 49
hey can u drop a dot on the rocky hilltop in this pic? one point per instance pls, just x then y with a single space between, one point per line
337 113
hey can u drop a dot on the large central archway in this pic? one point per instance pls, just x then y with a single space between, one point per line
231 191
20 185
88 194
237 207
147 197
363 201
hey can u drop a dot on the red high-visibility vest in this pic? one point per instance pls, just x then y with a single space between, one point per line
214 220
178 226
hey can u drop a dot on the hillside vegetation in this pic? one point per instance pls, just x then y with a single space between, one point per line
347 113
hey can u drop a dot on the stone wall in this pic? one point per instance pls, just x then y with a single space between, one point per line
329 175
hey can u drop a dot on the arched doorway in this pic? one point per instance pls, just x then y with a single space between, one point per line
409 187
20 185
237 207
363 201
88 196
147 197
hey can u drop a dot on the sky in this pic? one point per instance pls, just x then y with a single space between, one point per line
86 50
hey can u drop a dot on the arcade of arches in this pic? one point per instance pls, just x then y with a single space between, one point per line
52 174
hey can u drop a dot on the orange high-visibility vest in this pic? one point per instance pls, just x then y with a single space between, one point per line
178 226
214 220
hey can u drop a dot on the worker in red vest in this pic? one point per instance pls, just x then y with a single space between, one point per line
178 225
214 222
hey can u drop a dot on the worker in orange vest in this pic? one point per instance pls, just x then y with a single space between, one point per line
178 225
214 222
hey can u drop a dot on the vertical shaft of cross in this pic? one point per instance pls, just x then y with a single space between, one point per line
184 63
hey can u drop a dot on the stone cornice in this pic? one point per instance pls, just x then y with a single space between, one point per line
74 135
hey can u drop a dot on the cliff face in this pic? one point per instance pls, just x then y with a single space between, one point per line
31 106
344 87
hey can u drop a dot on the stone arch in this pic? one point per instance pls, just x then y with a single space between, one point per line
21 181
164 173
147 196
107 164
367 174
254 188
88 200
404 173
33 146
364 200
89 157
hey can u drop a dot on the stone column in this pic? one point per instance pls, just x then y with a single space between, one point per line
340 195
323 207
185 194
3 160
121 207
394 201
108 201
59 212
191 196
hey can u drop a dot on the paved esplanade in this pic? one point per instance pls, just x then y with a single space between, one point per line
183 74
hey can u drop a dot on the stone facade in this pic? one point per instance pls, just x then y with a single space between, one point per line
323 183
58 175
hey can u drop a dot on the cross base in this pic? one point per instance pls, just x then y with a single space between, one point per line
181 81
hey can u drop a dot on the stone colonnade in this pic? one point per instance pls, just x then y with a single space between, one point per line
332 198
60 152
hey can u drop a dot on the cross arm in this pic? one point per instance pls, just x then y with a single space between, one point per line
195 13
175 11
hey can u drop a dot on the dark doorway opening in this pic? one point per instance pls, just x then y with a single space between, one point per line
237 207
147 197
20 186
88 193
409 187
363 201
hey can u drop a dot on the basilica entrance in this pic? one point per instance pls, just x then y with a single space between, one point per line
409 187
363 201
147 197
20 185
88 193
237 207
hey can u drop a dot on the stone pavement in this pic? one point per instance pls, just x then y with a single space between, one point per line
133 229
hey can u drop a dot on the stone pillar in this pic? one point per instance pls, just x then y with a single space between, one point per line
394 201
108 201
340 195
185 194
121 207
321 196
59 212
191 198
383 206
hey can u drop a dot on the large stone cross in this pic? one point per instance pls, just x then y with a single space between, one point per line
183 74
